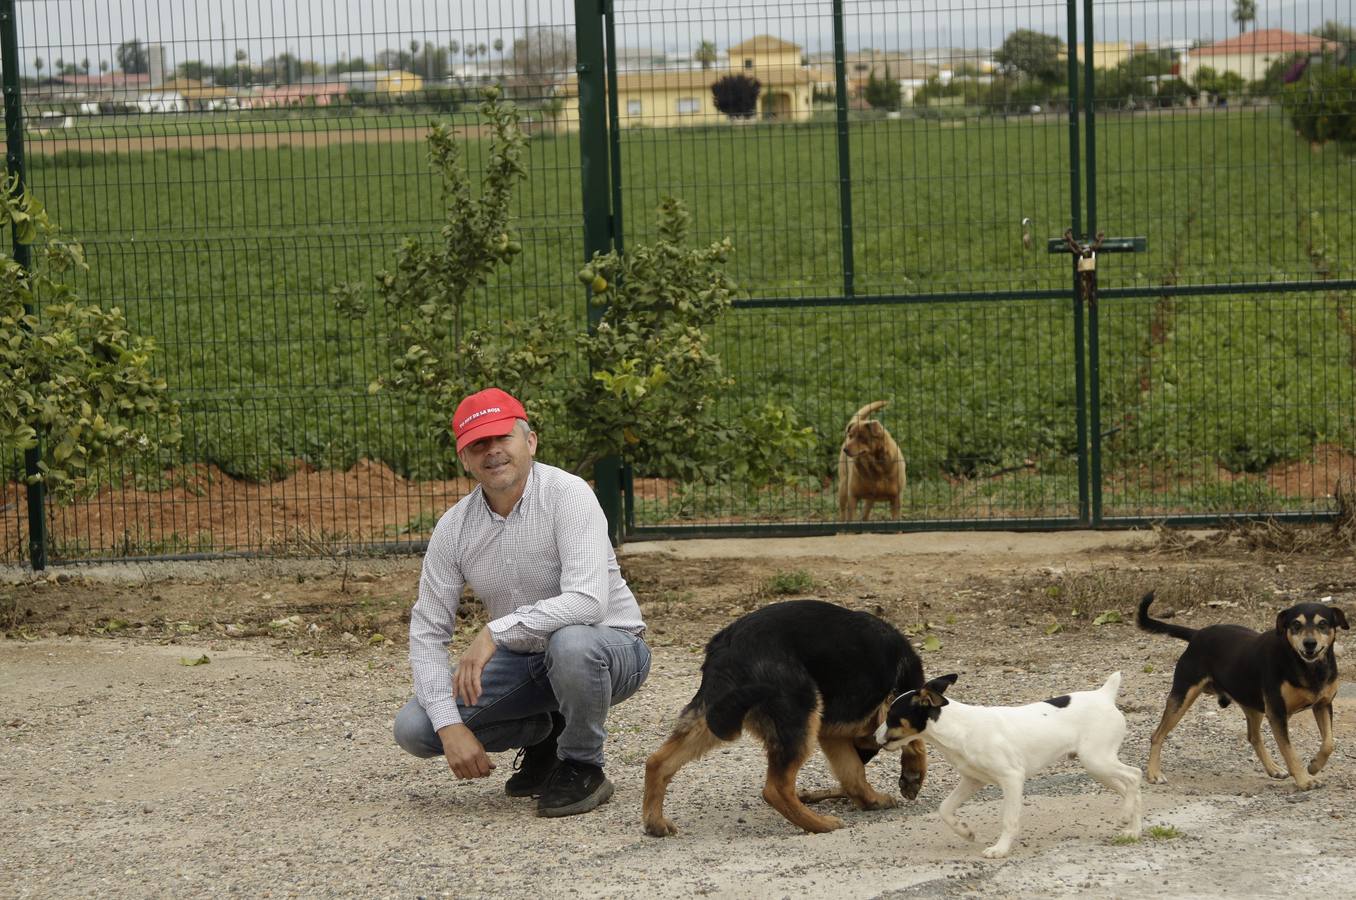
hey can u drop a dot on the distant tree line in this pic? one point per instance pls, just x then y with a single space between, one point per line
1031 69
541 55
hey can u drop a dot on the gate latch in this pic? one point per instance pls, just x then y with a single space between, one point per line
1085 255
1100 244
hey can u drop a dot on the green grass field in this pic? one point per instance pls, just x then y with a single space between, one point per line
226 257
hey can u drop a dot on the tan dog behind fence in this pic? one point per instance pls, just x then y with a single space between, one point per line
870 466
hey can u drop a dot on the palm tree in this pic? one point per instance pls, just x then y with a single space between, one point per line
84 64
38 63
103 66
1245 11
705 54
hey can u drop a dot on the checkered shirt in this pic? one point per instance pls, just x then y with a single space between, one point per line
546 565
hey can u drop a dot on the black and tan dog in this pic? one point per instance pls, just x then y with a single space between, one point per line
1274 675
794 674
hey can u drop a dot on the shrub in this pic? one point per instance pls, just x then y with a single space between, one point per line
1322 104
655 390
883 93
74 380
1174 92
736 96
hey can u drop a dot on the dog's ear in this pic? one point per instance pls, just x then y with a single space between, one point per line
932 692
943 682
1281 619
1339 617
928 697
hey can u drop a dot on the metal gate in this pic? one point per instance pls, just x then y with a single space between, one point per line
980 257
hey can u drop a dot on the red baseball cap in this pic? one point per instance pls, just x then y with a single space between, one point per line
487 413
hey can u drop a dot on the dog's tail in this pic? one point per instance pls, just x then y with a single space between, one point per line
1112 687
867 410
1143 621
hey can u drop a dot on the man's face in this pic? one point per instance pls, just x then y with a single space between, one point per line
501 464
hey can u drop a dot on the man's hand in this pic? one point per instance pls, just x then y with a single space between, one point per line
466 683
465 755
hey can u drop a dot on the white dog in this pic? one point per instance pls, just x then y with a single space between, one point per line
1005 745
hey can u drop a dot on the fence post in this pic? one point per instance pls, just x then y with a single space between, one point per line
1076 225
840 103
1094 340
591 70
23 254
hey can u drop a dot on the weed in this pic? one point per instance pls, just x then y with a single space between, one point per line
420 524
795 582
9 612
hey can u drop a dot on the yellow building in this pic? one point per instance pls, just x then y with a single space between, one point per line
1106 54
383 81
667 98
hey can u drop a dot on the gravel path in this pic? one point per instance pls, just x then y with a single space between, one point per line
271 773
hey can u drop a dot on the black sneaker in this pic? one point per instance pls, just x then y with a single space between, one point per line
532 767
575 787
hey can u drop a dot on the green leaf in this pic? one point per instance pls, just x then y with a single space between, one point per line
1054 628
1110 617
194 661
932 643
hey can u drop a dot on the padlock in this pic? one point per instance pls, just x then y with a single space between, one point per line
1087 262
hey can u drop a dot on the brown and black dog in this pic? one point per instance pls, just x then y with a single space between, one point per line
1271 675
796 674
870 466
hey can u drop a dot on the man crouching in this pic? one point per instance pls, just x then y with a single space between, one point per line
564 640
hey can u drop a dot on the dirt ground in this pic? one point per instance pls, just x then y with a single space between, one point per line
268 769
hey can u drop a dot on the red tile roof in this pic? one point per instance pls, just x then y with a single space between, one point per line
1268 40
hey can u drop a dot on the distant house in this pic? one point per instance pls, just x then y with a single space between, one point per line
381 81
911 74
160 101
665 97
309 93
1106 54
1250 55
327 90
199 96
91 94
95 84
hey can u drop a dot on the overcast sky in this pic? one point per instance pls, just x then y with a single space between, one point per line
328 30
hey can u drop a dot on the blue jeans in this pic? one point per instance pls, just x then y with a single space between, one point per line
585 670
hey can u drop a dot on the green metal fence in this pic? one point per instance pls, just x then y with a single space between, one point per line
903 251
894 198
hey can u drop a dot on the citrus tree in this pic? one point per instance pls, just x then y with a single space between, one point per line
651 395
74 378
